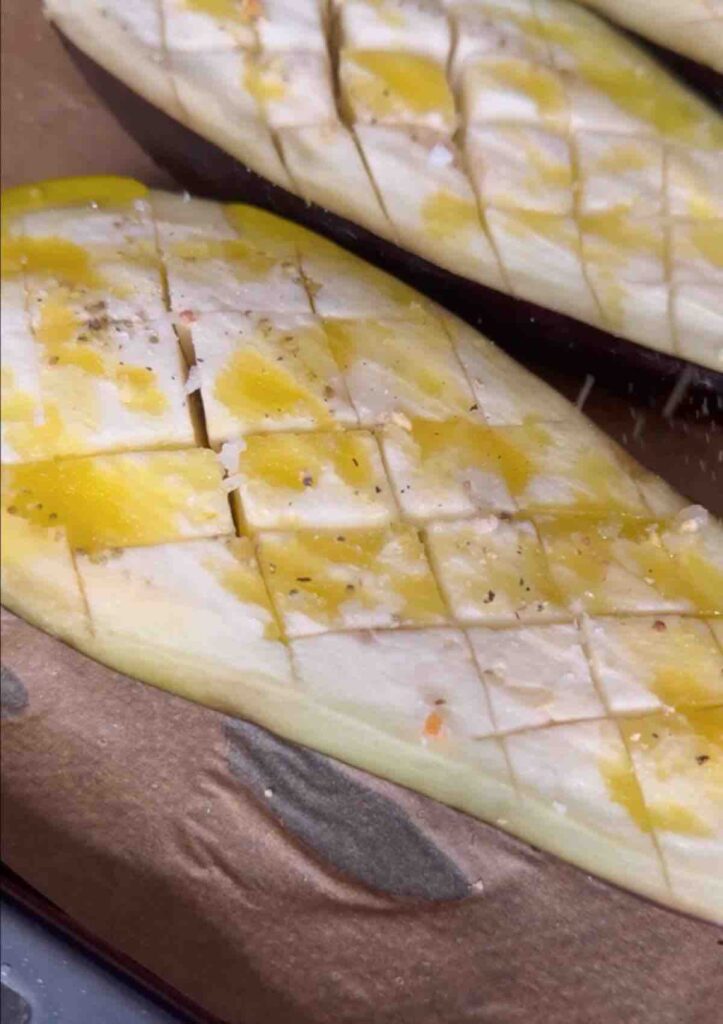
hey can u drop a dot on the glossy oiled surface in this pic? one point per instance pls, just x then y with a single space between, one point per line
523 144
430 564
692 27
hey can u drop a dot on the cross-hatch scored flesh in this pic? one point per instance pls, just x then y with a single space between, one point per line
381 544
413 120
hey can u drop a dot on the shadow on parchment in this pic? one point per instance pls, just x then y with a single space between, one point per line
672 425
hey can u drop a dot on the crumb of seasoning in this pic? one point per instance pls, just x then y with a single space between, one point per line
355 461
433 724
293 591
378 489
659 626
307 480
303 579
702 758
490 597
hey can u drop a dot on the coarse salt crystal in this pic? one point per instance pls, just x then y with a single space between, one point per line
440 156
230 483
193 381
229 454
692 519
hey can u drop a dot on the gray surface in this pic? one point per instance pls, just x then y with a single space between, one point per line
48 980
363 834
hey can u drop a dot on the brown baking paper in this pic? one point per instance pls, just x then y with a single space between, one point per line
266 883
271 885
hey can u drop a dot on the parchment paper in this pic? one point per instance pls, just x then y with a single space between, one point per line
266 883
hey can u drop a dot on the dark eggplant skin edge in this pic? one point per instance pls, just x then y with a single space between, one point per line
538 337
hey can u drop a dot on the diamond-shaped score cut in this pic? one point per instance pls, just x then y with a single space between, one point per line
79 259
457 467
619 173
492 28
421 682
697 278
643 664
284 25
327 167
695 183
448 469
108 386
385 376
209 27
426 192
317 480
679 763
625 261
493 571
396 88
694 542
567 465
292 88
612 86
344 287
521 167
579 792
503 89
210 274
503 391
37 567
263 372
535 675
122 500
351 580
542 258
404 26
106 227
182 218
216 103
613 565
198 598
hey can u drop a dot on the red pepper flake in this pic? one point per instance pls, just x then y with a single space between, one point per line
433 724
187 316
659 626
